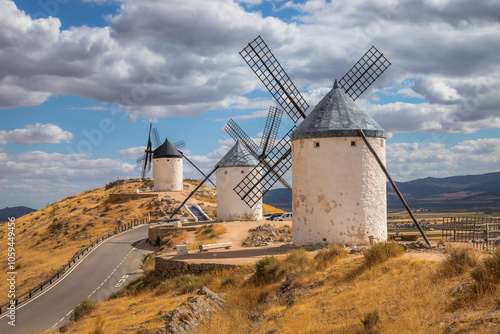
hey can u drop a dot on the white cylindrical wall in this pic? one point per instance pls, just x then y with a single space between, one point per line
230 207
339 191
168 174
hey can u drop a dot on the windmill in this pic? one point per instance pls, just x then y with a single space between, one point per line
266 143
147 159
267 68
264 64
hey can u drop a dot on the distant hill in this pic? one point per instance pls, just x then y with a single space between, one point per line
280 198
458 193
16 212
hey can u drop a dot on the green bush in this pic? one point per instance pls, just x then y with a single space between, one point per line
268 270
370 321
329 255
381 252
86 306
185 283
296 259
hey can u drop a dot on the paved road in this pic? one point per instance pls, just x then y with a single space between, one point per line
104 270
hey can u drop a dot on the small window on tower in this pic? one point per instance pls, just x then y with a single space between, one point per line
316 144
225 172
168 159
381 143
242 172
353 143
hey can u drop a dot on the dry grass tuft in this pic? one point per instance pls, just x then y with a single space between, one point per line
458 260
381 252
487 274
325 257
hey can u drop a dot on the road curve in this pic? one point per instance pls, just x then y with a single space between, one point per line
104 270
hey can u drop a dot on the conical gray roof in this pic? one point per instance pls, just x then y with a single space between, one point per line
238 156
336 115
166 150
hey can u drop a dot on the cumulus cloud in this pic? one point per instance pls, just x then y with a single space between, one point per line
133 152
36 133
161 59
431 157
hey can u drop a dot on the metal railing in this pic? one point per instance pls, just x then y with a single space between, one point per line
61 271
482 232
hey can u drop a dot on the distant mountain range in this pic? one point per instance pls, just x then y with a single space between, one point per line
16 212
457 193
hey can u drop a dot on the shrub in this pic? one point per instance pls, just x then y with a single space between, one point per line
381 252
329 255
487 275
268 270
370 321
86 306
296 259
458 260
185 283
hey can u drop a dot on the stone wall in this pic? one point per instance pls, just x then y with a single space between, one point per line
126 196
165 268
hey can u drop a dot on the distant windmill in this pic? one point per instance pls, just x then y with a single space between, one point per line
266 143
167 150
262 61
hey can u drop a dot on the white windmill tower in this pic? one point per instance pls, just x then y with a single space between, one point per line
232 168
167 168
339 189
308 224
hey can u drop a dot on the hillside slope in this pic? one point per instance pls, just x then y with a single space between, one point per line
48 238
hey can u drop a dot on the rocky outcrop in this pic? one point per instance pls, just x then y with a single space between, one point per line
267 234
188 316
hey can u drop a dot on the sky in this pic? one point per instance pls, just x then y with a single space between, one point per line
81 80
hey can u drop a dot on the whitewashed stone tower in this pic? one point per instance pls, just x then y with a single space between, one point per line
233 167
167 168
339 190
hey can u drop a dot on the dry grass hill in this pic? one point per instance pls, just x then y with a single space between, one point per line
330 291
49 237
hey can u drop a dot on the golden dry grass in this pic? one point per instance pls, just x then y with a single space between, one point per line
270 209
405 295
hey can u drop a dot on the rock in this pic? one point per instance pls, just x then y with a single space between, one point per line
188 316
266 234
461 289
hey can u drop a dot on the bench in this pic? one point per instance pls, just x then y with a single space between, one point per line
225 245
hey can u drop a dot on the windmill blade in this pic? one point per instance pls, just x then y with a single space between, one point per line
156 138
270 130
179 144
263 63
253 186
236 133
364 73
197 169
195 189
141 159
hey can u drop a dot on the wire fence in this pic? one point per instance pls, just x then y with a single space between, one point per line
61 271
483 233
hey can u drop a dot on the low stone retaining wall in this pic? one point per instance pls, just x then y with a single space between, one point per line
125 196
165 268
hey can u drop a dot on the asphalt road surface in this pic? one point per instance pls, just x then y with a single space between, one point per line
104 270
